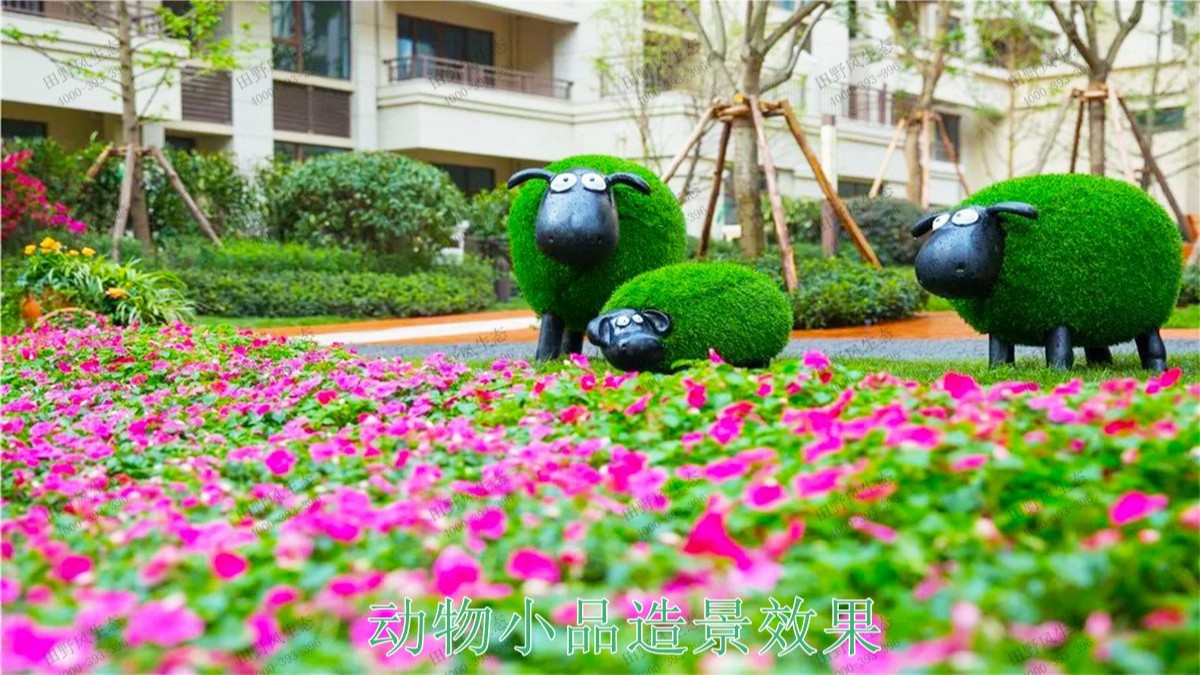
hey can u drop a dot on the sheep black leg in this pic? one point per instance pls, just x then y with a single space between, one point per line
1098 356
573 342
1152 350
550 338
1058 349
1000 352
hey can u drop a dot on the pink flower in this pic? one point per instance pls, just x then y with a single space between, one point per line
881 532
697 395
326 396
454 569
816 360
817 483
638 406
530 563
228 565
10 590
709 537
763 496
72 566
280 462
958 386
1163 617
490 523
1190 518
1135 505
165 623
969 462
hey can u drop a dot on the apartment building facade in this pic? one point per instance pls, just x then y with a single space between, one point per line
487 87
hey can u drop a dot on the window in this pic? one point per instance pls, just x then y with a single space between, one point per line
22 129
470 179
298 152
181 143
1165 119
311 37
951 122
1184 11
420 39
849 188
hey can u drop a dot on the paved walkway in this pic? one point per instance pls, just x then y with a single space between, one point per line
511 334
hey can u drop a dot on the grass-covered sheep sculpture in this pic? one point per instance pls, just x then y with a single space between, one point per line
1057 261
591 223
677 313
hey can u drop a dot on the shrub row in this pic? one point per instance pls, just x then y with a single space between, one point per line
1189 292
838 292
250 255
349 294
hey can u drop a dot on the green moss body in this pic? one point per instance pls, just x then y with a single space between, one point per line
652 234
738 312
1102 258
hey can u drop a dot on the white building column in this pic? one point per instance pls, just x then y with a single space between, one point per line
365 67
253 106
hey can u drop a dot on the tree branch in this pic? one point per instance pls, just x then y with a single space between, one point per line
793 21
795 47
1125 28
715 57
1068 26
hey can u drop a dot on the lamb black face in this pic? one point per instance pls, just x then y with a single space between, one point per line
964 256
577 220
631 339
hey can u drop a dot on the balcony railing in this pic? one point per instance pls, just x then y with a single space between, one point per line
459 73
100 12
884 108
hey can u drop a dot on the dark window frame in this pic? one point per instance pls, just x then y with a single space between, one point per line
297 39
301 152
472 177
43 127
441 30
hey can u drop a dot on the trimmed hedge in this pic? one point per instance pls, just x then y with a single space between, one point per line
1189 290
376 202
838 292
249 255
724 306
349 294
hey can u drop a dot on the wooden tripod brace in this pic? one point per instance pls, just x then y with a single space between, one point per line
758 111
133 155
928 117
1110 95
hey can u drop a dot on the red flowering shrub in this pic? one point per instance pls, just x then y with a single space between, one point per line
25 202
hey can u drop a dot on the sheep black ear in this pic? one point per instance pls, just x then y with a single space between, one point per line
527 175
632 180
599 331
1017 208
924 225
660 321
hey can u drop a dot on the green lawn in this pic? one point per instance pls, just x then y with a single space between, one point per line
269 321
1183 317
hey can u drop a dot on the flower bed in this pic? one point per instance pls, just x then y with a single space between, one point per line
192 497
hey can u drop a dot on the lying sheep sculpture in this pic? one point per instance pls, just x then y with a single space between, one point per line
678 313
582 227
1057 261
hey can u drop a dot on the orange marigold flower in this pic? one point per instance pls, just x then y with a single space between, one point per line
116 293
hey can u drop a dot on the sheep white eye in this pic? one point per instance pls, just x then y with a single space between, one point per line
594 182
965 217
940 220
622 321
637 318
563 182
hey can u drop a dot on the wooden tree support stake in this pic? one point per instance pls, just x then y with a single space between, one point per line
124 201
1078 131
926 158
176 183
718 174
697 134
1122 142
1048 144
94 169
949 145
1148 156
839 207
887 159
781 230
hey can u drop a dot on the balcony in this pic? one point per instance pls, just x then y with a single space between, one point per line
885 108
451 72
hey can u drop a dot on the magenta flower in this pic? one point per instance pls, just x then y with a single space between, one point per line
530 563
326 396
816 360
1135 505
165 623
72 566
959 386
228 565
489 523
453 570
709 537
280 462
763 496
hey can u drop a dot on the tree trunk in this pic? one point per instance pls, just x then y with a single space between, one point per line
746 186
131 130
912 157
1096 130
